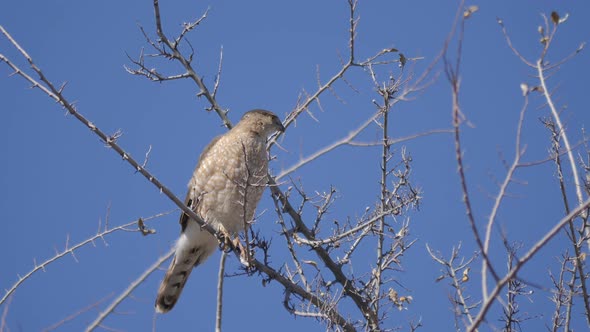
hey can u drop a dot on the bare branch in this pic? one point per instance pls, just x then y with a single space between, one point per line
563 134
461 301
502 193
331 313
509 42
218 76
70 251
394 141
188 27
108 310
76 314
578 261
186 63
457 116
532 252
336 269
342 235
4 315
220 279
344 141
50 90
109 140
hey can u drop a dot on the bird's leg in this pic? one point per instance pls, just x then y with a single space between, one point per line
225 238
226 243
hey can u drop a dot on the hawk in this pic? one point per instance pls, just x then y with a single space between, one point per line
225 189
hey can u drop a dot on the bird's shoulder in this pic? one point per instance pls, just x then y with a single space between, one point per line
209 148
237 138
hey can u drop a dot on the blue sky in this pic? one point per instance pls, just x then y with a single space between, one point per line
59 180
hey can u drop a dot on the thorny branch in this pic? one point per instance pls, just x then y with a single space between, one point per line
365 295
70 250
459 274
561 297
559 134
348 236
453 72
562 132
170 50
580 210
571 232
110 140
515 264
523 260
347 65
512 317
368 294
48 88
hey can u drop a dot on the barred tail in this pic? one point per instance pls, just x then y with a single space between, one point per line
193 247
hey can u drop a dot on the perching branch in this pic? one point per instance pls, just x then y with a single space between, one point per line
48 88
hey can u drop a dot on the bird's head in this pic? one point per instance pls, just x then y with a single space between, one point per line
262 122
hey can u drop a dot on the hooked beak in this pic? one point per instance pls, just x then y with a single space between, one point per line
280 126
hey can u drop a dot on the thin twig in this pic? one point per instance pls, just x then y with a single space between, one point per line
394 141
335 268
186 63
4 315
331 313
532 252
292 251
461 299
220 279
453 73
343 141
384 196
502 192
579 264
70 251
76 314
218 76
509 42
333 239
562 132
461 170
108 310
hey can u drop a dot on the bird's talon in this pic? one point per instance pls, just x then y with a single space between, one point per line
245 257
225 240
